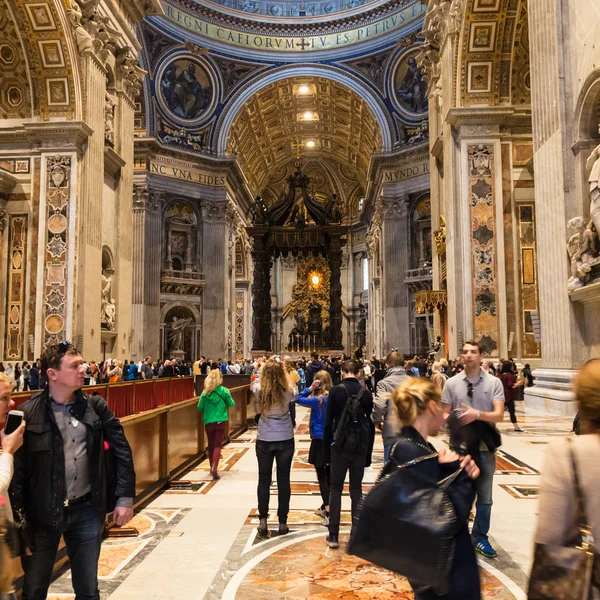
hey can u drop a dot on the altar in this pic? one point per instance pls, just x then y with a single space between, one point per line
300 226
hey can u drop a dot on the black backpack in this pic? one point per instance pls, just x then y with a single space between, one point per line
353 430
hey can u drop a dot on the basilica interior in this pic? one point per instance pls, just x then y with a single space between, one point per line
238 178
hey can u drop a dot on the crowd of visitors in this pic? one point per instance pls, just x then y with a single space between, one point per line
53 471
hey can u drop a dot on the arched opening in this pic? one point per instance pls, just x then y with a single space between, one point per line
179 334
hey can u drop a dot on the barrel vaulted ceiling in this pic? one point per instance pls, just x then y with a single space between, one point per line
274 125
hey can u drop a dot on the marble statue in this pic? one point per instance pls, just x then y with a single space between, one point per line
107 303
593 170
176 332
82 37
109 119
581 249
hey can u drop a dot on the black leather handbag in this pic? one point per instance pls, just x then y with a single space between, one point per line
408 525
564 573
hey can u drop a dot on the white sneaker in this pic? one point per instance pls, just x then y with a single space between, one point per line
320 512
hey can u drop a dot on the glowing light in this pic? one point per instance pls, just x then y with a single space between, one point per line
308 115
315 279
303 89
310 144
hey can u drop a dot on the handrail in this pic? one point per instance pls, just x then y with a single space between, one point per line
133 397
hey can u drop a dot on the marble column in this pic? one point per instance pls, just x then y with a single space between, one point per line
562 338
395 252
125 109
334 259
89 249
261 298
554 168
215 252
147 233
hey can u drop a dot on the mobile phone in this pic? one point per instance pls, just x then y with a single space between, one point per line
13 420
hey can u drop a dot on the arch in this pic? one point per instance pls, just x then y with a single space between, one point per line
108 261
588 102
166 309
375 105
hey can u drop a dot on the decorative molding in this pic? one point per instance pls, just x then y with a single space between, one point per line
240 325
58 202
17 279
213 212
482 217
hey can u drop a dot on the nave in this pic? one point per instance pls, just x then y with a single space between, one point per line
202 543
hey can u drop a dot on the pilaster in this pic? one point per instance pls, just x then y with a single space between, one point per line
395 250
146 239
215 251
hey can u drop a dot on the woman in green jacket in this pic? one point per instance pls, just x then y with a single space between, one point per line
214 405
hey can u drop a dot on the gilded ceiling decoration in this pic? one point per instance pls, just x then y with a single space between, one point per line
46 46
15 99
492 51
273 126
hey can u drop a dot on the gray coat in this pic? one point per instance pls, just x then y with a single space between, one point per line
384 409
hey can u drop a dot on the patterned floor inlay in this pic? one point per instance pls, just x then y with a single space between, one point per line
509 465
522 492
229 456
296 518
119 557
302 567
305 488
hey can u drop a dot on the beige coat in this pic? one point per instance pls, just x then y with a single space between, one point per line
556 522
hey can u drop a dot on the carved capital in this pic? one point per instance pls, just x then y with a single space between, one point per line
213 212
130 74
395 208
147 199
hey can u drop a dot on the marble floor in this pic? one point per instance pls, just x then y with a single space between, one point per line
201 542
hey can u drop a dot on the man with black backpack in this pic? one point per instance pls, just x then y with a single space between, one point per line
348 443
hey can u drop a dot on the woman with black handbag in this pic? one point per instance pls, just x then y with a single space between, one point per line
415 519
566 563
10 444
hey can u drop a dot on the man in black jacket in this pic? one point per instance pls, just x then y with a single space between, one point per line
341 462
313 368
60 482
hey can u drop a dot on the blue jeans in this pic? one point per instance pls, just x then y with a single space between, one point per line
83 535
484 485
387 448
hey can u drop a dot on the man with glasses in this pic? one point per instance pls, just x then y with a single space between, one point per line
60 481
477 396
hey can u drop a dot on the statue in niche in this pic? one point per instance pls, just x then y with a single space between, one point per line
582 249
593 169
178 245
107 303
176 332
109 120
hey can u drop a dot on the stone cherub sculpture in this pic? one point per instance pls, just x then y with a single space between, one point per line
593 170
582 250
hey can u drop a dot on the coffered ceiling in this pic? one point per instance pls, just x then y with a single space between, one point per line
274 125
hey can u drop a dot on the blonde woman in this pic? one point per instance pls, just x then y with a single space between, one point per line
214 404
437 377
292 373
274 442
419 406
315 398
557 512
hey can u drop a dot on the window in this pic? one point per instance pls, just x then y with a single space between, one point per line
365 273
361 203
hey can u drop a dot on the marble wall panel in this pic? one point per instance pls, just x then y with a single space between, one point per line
481 181
57 230
528 268
17 277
